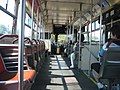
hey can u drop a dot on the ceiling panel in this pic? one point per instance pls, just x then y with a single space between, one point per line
62 11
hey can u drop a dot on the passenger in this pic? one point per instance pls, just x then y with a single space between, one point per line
113 42
76 50
75 53
71 55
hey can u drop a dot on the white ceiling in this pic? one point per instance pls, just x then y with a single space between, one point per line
62 11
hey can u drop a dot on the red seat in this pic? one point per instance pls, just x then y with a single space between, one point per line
9 79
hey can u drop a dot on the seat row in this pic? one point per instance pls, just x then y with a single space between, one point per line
33 53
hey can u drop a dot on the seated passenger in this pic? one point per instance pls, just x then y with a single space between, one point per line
113 42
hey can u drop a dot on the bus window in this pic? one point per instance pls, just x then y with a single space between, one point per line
96 35
93 26
86 38
28 20
85 28
9 4
62 38
3 3
35 35
6 23
109 35
97 25
27 32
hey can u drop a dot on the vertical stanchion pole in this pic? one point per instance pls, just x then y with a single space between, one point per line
73 31
32 19
21 45
88 33
43 31
90 40
37 24
40 26
100 26
79 58
67 30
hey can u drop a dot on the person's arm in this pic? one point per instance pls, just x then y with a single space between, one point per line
103 50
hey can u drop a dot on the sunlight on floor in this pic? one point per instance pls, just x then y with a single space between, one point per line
62 78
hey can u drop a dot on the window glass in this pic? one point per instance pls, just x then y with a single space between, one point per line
28 20
35 35
35 26
85 28
89 27
96 35
27 32
11 5
93 26
62 39
6 23
3 3
97 24
86 37
18 19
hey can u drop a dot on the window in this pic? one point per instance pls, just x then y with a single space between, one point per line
35 26
62 39
6 23
96 35
3 3
9 4
35 35
85 28
28 20
28 32
97 25
89 27
93 26
86 37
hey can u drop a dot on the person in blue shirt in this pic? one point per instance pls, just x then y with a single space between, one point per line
112 42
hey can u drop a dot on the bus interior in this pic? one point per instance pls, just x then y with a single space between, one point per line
52 44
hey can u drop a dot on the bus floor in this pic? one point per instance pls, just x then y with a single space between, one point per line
55 74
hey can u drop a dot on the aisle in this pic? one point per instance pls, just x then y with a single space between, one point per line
62 78
55 74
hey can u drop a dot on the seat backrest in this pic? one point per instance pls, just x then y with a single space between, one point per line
2 66
110 67
7 39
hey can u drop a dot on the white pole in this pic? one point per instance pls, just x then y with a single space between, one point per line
73 32
21 45
100 28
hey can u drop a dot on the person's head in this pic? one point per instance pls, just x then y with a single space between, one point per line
115 31
82 38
